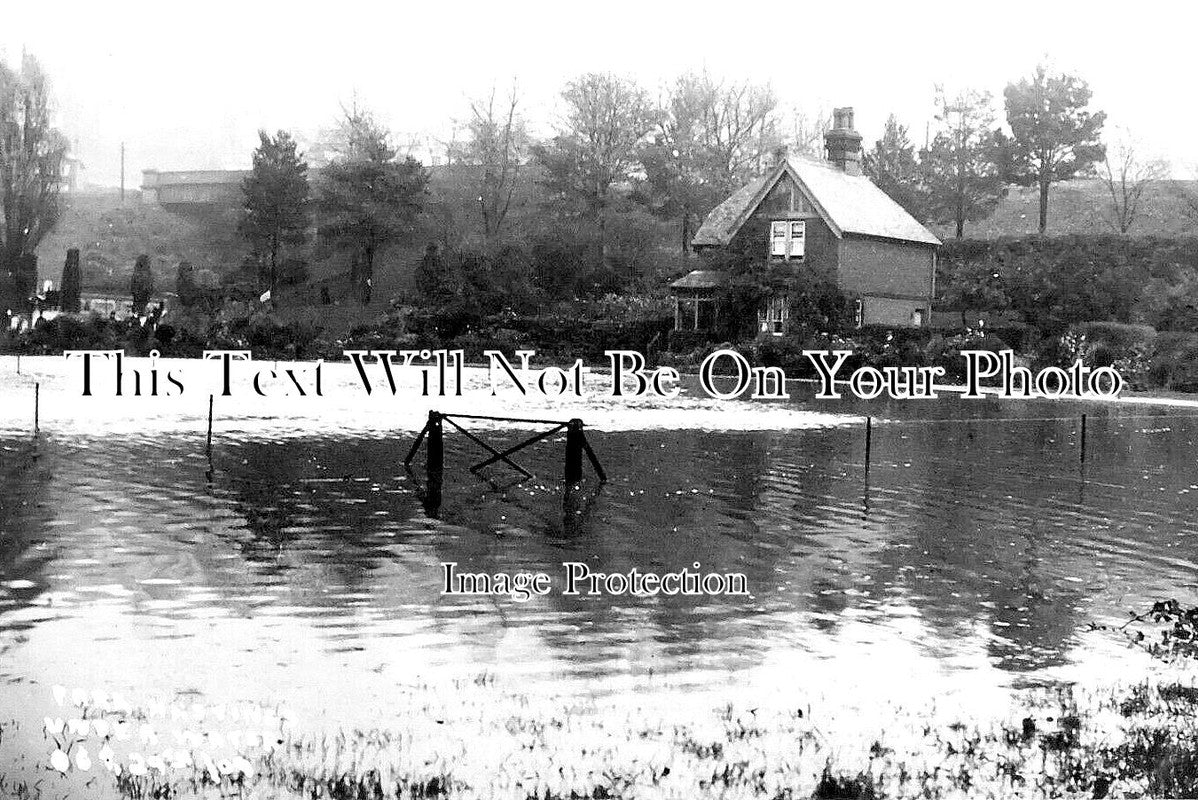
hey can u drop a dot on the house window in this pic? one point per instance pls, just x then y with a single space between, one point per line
788 238
772 318
917 318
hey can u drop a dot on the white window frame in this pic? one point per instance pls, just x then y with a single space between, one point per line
788 239
779 239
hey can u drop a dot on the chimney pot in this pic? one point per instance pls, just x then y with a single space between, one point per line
843 143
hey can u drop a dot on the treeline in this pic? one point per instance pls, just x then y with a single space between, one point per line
609 202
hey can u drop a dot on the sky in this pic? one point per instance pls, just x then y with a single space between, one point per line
188 87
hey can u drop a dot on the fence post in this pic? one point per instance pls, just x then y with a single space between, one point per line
869 432
1083 441
209 449
435 464
574 439
37 401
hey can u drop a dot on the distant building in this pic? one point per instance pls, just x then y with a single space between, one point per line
197 187
818 217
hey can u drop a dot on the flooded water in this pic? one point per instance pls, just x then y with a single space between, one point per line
301 563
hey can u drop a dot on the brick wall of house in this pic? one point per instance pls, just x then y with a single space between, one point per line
754 236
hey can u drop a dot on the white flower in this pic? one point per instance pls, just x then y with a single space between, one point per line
178 759
78 727
122 730
251 739
78 697
137 766
101 727
210 766
60 761
147 735
225 766
156 763
215 739
53 726
234 738
60 694
108 757
82 759
242 766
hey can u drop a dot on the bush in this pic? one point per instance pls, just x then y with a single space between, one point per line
1174 363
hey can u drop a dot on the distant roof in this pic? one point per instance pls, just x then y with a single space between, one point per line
700 279
849 203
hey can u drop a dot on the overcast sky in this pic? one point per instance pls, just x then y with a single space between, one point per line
188 87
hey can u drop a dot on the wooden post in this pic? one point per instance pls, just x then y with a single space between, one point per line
869 432
574 440
435 462
1083 438
37 392
18 363
209 426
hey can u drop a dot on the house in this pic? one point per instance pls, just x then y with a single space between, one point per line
809 217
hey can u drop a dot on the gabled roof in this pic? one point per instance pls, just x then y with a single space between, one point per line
850 204
700 279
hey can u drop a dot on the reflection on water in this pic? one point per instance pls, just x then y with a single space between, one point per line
307 569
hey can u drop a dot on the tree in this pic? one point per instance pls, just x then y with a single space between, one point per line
72 279
710 137
804 133
186 287
892 166
276 210
960 167
368 198
607 118
1127 175
141 285
435 279
498 145
32 153
1053 135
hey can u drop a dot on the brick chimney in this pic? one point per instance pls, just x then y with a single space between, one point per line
843 143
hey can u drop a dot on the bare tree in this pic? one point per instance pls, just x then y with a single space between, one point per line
1127 174
498 145
737 122
607 118
804 131
711 136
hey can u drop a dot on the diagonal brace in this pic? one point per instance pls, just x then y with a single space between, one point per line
489 449
503 456
416 445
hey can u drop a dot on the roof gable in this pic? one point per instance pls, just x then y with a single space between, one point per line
850 204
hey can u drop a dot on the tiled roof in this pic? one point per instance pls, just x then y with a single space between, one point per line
722 222
848 203
700 279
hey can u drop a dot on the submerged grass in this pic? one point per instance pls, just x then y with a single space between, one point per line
475 740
